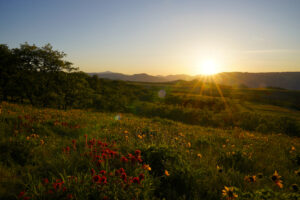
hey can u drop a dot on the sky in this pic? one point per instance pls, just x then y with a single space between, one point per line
160 37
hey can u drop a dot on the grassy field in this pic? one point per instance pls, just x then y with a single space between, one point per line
81 154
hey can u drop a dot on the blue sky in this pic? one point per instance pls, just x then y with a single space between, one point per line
160 36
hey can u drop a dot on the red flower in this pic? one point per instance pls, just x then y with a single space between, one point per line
93 171
136 180
57 186
45 181
141 177
21 194
96 178
102 172
124 176
50 191
137 152
122 170
68 149
139 160
124 159
103 180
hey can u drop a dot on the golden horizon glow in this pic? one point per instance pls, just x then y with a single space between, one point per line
209 67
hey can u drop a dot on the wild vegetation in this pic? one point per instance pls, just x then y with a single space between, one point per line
67 135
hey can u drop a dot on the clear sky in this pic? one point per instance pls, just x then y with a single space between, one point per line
160 36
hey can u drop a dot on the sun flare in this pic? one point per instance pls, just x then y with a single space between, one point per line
209 67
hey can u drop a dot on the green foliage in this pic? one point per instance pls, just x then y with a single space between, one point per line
187 162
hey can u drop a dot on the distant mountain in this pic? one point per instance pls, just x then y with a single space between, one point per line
286 80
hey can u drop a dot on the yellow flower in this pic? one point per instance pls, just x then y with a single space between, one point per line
228 193
125 132
223 145
42 142
250 179
139 136
167 173
199 155
27 137
293 148
276 178
219 169
147 167
189 144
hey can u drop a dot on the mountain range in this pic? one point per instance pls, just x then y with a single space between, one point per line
285 80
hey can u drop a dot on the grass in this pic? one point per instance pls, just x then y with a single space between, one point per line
186 161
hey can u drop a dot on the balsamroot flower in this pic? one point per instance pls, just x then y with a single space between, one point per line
167 173
228 193
147 167
250 179
277 179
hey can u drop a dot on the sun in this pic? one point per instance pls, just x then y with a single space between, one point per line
209 67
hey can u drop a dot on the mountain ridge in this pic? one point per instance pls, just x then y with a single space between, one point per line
285 80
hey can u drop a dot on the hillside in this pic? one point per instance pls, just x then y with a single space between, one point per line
77 154
287 80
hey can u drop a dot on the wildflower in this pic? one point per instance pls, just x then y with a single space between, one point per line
297 172
250 179
103 180
223 145
21 194
199 155
139 136
42 142
124 176
141 176
293 148
96 178
137 152
276 179
228 193
102 172
68 149
27 137
74 144
45 181
147 167
124 159
57 186
167 173
189 144
125 132
70 196
219 169
136 180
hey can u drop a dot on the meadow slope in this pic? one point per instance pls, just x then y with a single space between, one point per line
81 154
